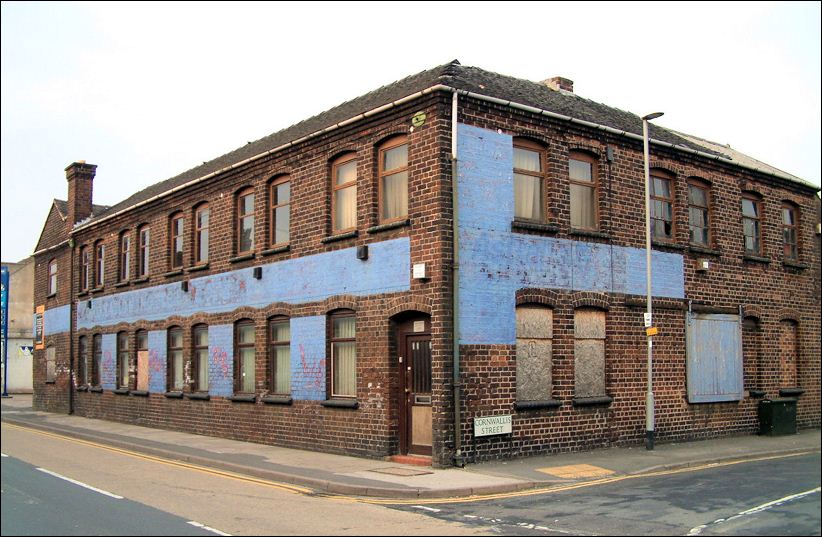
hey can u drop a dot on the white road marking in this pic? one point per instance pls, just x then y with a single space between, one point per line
75 482
3 454
427 508
753 510
207 528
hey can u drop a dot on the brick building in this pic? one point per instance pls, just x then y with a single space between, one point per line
300 290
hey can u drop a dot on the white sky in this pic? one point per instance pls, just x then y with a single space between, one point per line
147 91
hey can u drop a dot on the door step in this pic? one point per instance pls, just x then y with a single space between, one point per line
415 460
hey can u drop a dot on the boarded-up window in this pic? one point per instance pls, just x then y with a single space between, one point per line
535 334
788 354
589 353
751 353
51 364
142 360
714 358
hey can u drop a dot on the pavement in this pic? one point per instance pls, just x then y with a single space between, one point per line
354 476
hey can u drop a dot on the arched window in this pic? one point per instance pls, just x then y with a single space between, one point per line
175 367
790 235
245 221
82 361
699 223
530 166
788 354
344 193
142 360
343 339
393 179
279 355
52 287
584 185
280 211
176 227
199 362
662 205
244 356
201 224
85 268
124 272
99 263
144 255
122 360
97 359
752 223
589 353
51 364
535 333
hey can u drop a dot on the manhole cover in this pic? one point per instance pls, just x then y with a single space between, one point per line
401 471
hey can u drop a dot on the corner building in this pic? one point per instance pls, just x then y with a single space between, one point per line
304 289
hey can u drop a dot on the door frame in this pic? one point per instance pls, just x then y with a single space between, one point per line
403 333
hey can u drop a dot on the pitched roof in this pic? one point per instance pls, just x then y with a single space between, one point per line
451 74
62 206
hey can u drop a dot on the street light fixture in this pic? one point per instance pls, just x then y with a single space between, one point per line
649 396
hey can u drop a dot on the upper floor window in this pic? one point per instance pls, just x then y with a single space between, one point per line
280 217
344 193
175 359
752 224
529 180
699 214
99 264
52 288
245 221
245 354
343 354
199 362
790 220
122 360
176 243
662 205
144 254
85 268
201 218
125 256
582 172
393 180
280 355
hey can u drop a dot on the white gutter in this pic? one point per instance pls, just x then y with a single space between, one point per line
50 248
442 87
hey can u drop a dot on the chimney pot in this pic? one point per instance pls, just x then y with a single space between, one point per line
560 83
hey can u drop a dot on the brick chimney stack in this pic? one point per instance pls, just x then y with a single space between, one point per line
80 177
560 83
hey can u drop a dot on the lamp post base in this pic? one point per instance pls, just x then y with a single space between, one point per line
649 440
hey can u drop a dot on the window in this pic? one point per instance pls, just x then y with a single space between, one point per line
99 264
85 268
280 355
125 256
790 245
393 183
529 180
788 353
714 360
343 354
52 277
82 361
199 364
534 353
589 353
143 261
245 221
175 359
142 360
752 225
176 242
662 206
244 361
344 193
97 359
582 174
699 214
51 364
201 216
122 360
280 218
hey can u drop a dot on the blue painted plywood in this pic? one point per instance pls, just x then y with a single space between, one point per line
221 360
308 361
157 363
714 358
56 320
108 363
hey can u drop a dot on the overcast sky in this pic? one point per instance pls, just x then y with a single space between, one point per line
147 91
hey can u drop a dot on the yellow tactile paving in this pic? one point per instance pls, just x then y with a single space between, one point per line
576 471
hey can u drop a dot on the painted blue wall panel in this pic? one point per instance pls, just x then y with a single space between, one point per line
157 363
108 366
56 320
221 360
495 262
295 281
308 363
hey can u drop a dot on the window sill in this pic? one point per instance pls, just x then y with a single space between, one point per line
791 392
144 279
82 293
341 237
590 401
276 250
389 225
341 403
198 396
537 405
97 290
534 226
52 295
756 394
197 268
669 245
120 391
243 398
278 400
139 393
174 395
756 259
122 284
51 382
95 389
701 250
589 233
173 273
241 258
795 265
82 388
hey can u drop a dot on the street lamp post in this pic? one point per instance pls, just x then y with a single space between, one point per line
649 395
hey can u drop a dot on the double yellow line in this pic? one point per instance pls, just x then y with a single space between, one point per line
294 489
